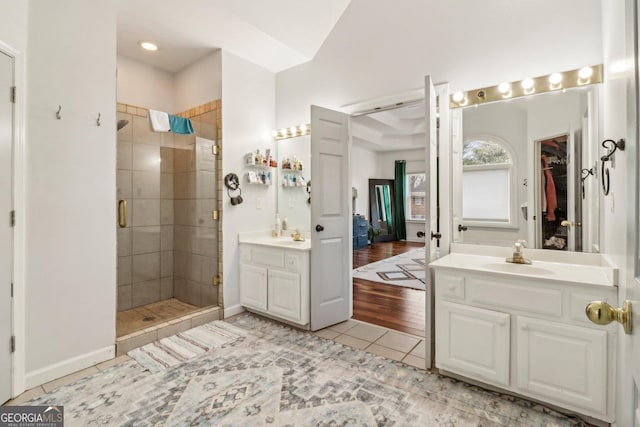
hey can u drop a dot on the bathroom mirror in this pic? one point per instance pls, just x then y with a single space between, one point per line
518 169
292 181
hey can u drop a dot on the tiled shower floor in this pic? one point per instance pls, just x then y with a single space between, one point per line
150 315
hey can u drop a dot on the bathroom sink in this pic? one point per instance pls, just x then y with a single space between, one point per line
517 268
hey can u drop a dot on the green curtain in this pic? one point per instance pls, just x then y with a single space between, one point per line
399 198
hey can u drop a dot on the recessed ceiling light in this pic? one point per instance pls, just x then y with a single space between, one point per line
148 46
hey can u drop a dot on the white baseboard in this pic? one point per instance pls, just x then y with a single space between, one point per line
233 310
69 366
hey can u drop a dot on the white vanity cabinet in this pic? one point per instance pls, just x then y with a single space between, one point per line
527 335
275 282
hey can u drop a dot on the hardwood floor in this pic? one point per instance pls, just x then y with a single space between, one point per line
393 307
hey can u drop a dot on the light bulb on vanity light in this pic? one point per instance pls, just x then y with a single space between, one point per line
527 85
584 75
555 81
505 89
274 133
292 129
302 129
459 98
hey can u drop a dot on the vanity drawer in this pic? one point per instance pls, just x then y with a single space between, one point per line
546 302
450 286
578 302
270 257
292 262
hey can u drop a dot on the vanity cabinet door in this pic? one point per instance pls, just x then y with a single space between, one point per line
253 286
562 363
473 342
284 294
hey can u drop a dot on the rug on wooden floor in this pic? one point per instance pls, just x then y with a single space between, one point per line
407 270
186 345
278 376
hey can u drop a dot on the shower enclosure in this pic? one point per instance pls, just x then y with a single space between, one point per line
167 196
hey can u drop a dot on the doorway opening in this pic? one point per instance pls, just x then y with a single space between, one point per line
389 272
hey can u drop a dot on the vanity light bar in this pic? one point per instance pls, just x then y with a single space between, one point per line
529 86
291 132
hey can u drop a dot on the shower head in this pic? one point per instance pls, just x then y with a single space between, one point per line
122 123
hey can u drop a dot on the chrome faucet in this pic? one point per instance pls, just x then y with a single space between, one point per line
297 237
518 257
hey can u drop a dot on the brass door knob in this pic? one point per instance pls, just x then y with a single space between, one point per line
601 313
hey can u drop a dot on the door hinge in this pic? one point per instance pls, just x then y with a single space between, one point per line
12 215
13 94
13 343
216 280
215 150
12 290
215 215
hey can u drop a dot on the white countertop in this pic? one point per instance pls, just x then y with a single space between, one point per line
264 238
584 273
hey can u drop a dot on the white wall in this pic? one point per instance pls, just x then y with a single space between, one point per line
248 118
364 165
13 24
146 86
369 55
198 83
70 188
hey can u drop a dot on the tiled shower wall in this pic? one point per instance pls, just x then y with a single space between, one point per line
170 246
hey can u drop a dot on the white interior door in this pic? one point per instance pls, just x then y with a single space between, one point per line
431 158
6 232
456 175
572 158
331 259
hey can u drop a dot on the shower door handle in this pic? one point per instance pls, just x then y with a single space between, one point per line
122 213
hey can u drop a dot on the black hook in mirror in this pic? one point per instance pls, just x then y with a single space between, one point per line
620 145
585 174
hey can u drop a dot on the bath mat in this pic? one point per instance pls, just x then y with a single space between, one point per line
406 270
183 346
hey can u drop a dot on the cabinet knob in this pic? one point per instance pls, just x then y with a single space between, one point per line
601 313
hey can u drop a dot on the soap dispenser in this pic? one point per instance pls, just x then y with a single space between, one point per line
285 223
278 226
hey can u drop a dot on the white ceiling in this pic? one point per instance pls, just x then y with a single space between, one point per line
400 128
275 34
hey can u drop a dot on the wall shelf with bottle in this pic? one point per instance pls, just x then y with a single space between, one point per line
291 165
293 180
259 178
258 160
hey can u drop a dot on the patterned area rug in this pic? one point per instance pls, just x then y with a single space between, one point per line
406 270
278 376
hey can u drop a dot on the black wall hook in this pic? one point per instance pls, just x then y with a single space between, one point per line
616 146
620 145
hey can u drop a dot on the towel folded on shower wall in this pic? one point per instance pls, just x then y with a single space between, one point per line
180 125
159 121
